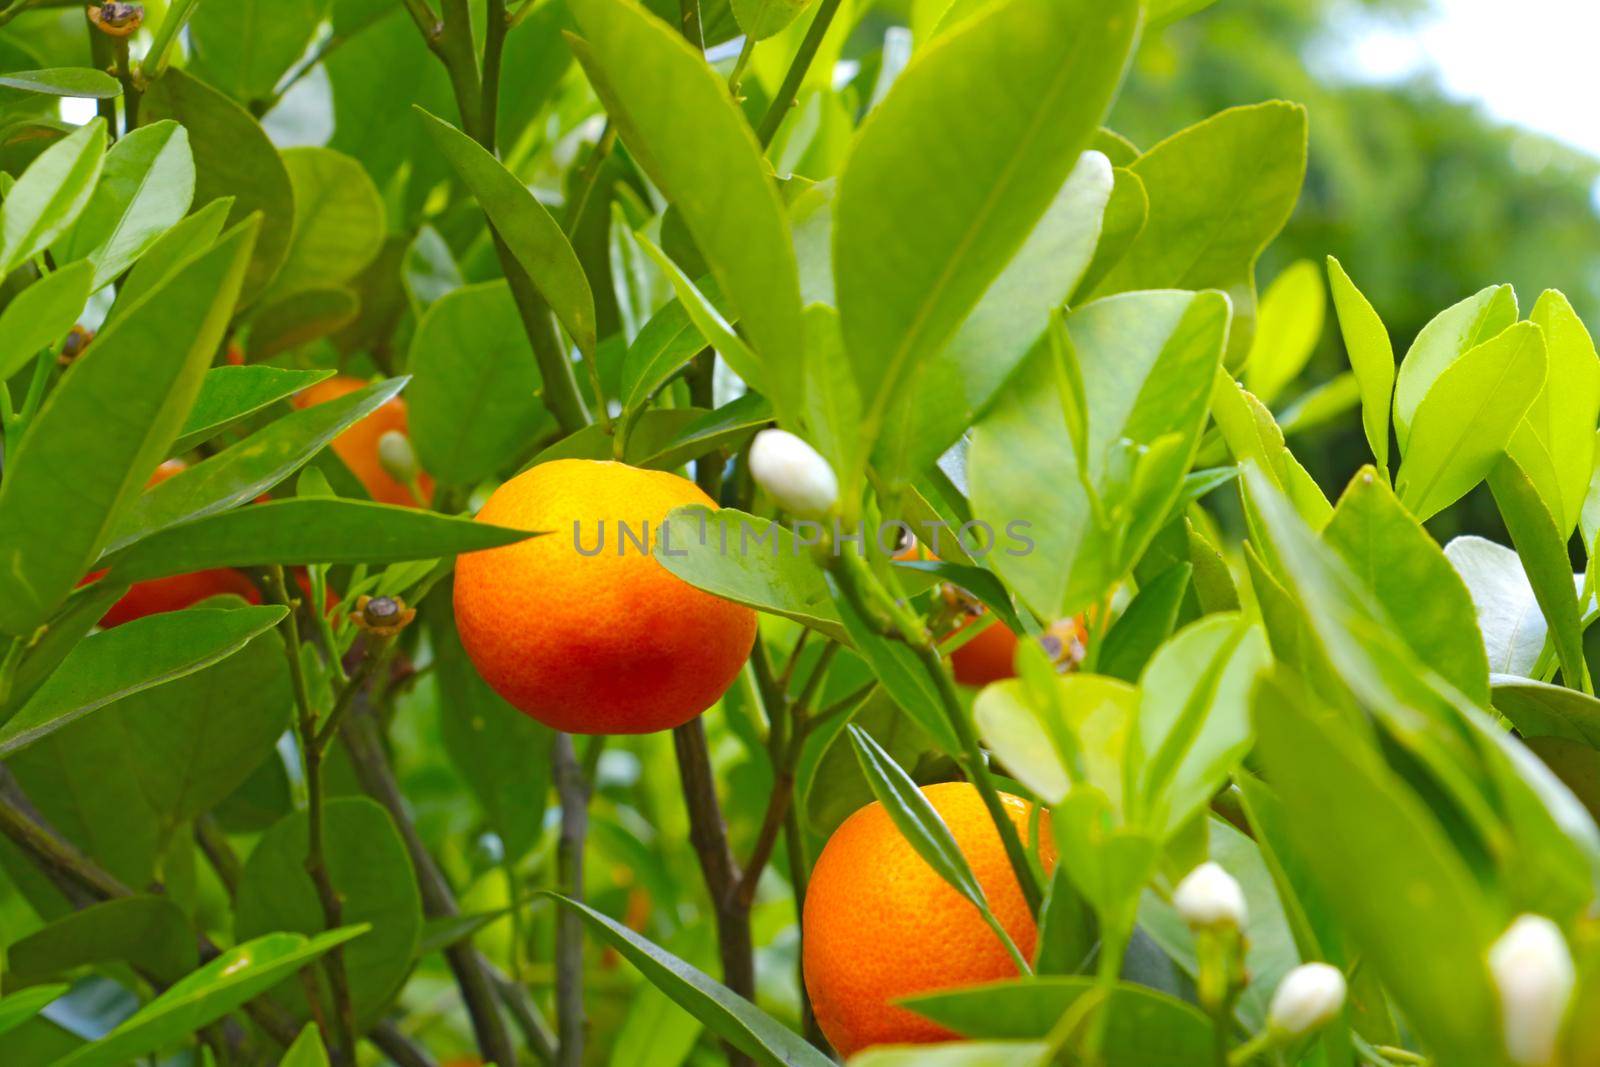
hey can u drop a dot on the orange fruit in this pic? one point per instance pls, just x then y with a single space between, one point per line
880 924
606 642
988 657
357 447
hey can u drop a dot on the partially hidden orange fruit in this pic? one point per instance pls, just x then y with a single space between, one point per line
357 447
591 641
880 924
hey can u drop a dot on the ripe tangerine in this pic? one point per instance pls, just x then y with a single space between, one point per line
596 642
880 924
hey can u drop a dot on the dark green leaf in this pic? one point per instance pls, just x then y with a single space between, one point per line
150 933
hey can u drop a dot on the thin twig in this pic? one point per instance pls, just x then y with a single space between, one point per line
796 76
571 1023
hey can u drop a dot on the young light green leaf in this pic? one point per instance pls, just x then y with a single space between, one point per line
760 19
145 188
708 321
1371 355
188 238
119 662
1467 417
992 163
228 394
307 1050
17 1008
1513 628
534 237
65 81
1555 444
675 116
101 432
1288 327
1250 432
1219 193
725 1013
40 316
306 530
51 194
1452 333
1125 215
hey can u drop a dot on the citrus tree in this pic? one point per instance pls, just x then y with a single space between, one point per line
579 532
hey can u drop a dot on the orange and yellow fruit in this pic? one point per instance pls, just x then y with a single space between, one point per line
880 924
606 642
357 447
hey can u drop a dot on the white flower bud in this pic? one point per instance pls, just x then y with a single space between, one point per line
1307 998
794 473
1533 972
397 457
1209 897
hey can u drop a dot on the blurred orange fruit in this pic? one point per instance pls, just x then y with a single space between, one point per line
357 447
880 924
596 642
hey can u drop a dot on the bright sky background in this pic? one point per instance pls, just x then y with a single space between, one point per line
1535 63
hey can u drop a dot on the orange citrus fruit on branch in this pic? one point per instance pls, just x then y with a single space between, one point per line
880 924
357 447
582 628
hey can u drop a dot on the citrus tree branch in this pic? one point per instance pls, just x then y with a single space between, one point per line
571 1023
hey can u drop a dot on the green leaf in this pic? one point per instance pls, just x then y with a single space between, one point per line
526 226
338 221
284 323
232 158
1543 550
307 1050
191 236
238 975
429 269
228 394
958 382
1219 193
1410 576
1148 361
1371 355
150 933
17 1008
246 46
1467 417
1124 219
1288 327
1388 871
1555 445
307 530
1147 621
708 321
65 81
1143 1028
116 663
1539 709
51 194
1036 730
248 468
1251 432
675 116
1513 628
40 316
665 343
760 19
145 188
903 676
723 430
948 176
474 401
84 609
101 432
725 1013
1453 332
371 871
750 561
502 754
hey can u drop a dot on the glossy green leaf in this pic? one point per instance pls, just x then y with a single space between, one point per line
232 158
206 995
1288 327
1453 332
307 1050
151 933
725 1013
307 530
104 428
1539 709
903 676
761 19
1371 355
1219 193
675 117
228 394
1513 628
948 178
82 612
526 226
338 221
1147 621
246 46
1410 576
371 871
723 430
64 81
1555 445
135 656
248 468
474 398
145 188
1036 733
1148 360
1467 418
665 343
1251 433
51 194
17 1008
1125 216
708 321
188 238
40 316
